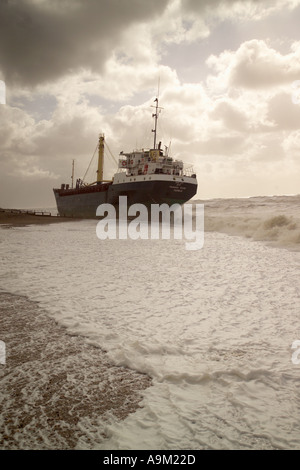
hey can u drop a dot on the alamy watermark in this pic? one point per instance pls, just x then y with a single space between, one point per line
2 352
2 92
296 346
160 221
296 92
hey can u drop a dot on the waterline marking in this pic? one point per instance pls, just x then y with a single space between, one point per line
187 222
2 353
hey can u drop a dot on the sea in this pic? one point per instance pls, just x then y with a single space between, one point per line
217 329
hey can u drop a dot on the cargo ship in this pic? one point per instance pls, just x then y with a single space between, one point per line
145 176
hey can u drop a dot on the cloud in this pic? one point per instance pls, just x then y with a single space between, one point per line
254 65
284 114
90 67
232 117
291 144
41 41
238 9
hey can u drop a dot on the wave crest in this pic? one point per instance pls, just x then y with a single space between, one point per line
275 219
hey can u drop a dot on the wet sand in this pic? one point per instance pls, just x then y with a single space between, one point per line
55 388
8 219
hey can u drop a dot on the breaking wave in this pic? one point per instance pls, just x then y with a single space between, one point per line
275 219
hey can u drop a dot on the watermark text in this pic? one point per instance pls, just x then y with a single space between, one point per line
2 353
296 92
2 92
161 221
296 354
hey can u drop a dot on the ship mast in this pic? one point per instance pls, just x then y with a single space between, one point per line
155 115
72 177
100 158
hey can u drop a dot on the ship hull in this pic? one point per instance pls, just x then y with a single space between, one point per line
83 203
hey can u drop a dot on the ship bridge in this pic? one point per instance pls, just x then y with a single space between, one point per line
149 162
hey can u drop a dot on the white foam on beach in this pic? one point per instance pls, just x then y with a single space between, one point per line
213 327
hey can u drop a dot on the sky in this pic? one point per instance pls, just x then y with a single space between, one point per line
227 74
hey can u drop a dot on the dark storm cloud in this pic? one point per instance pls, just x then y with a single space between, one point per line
200 5
40 41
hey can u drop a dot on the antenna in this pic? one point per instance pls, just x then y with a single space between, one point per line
155 115
72 177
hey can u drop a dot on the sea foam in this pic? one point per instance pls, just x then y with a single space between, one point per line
213 328
275 220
